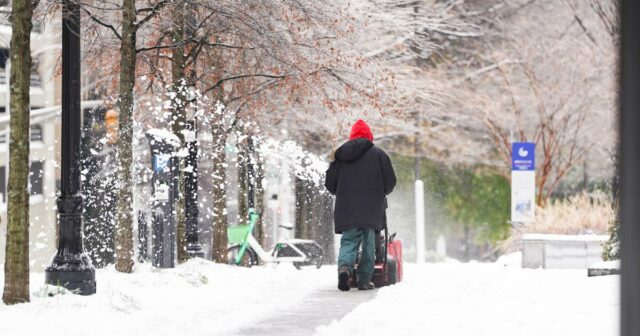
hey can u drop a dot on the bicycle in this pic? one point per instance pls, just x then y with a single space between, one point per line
245 250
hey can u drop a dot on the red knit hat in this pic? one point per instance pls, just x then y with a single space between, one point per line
361 130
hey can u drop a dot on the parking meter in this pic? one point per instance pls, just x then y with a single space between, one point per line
165 165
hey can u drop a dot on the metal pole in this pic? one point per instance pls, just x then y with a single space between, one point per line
71 267
420 239
251 191
416 160
416 148
630 169
416 143
194 249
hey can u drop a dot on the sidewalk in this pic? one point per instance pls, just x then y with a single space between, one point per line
320 308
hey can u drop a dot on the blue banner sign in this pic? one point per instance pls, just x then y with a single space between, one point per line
523 156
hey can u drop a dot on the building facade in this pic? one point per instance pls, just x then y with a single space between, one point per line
44 156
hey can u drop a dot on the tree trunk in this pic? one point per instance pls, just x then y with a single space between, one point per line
178 121
326 233
259 176
466 243
219 230
124 198
303 203
181 218
242 161
299 203
16 266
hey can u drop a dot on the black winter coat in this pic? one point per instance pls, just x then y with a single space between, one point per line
360 177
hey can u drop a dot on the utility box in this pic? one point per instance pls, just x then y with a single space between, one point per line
164 164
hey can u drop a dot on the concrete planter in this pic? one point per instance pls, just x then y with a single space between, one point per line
561 251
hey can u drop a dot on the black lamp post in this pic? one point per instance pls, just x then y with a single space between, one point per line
194 248
71 267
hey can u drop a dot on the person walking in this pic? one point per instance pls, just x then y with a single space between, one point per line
361 176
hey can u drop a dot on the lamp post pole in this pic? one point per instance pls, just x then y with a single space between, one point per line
194 249
71 267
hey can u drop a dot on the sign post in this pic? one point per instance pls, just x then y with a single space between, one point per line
523 182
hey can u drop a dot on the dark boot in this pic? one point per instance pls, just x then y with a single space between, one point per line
343 278
366 286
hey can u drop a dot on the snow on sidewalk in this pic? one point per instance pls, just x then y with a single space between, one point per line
202 298
197 298
487 299
322 307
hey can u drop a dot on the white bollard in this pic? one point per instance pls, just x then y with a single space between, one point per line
420 239
441 247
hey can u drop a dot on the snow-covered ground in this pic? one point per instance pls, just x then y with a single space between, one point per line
487 299
202 298
197 298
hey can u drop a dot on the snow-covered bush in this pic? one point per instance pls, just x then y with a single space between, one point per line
611 248
583 213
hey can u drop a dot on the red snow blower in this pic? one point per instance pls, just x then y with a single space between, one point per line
387 269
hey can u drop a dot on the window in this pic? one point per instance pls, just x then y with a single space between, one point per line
3 183
35 74
36 133
35 80
36 173
4 56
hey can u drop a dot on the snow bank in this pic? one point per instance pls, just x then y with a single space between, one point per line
202 298
197 298
510 260
487 299
612 264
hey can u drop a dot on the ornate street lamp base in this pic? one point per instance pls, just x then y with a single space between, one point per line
78 281
71 267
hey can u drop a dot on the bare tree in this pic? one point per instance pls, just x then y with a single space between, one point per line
277 63
548 78
178 118
133 19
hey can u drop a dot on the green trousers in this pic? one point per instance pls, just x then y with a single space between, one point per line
349 244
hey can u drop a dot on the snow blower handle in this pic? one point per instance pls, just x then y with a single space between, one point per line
386 236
